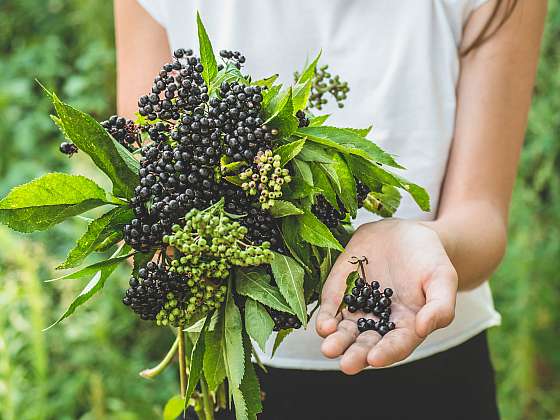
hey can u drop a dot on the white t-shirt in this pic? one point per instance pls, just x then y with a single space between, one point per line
401 61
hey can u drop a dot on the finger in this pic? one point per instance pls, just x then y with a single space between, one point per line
331 297
441 294
354 359
337 343
395 346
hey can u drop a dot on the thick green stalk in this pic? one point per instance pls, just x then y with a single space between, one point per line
156 370
207 402
182 364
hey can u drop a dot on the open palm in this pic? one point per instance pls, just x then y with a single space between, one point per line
409 258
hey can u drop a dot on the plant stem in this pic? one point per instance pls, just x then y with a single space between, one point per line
206 401
182 365
156 370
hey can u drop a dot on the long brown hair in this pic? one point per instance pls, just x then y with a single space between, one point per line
502 11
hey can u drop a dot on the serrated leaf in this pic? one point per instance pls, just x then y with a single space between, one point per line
233 343
322 182
93 287
258 322
284 208
313 152
270 97
108 242
288 275
372 175
347 182
301 92
348 142
318 120
266 82
93 268
326 265
298 249
360 131
214 363
282 114
304 171
384 203
173 408
207 57
282 334
98 230
255 283
330 171
250 387
49 200
309 72
289 151
240 404
234 179
312 230
196 359
89 136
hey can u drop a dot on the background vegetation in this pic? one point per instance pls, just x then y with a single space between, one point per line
88 368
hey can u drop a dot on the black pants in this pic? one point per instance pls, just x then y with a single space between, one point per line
456 384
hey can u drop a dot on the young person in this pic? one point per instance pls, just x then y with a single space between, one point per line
447 85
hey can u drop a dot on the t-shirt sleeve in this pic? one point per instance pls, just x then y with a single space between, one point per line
156 8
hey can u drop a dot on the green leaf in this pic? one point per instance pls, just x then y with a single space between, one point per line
173 408
250 387
234 179
98 230
258 322
309 72
282 114
266 82
140 259
230 73
313 152
304 171
207 58
384 203
127 157
318 120
196 360
109 241
241 412
93 268
322 182
214 362
289 151
301 92
49 200
86 133
284 208
330 171
255 283
233 343
298 249
270 98
93 287
316 233
372 175
232 166
282 334
326 265
363 132
348 142
289 278
347 191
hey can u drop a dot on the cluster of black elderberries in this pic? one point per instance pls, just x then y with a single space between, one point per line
124 131
368 298
332 216
189 133
157 294
284 320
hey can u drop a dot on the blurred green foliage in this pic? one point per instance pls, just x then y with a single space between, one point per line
88 368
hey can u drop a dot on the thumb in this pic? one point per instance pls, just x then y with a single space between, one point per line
331 297
441 293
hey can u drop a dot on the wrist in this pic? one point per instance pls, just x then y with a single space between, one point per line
445 235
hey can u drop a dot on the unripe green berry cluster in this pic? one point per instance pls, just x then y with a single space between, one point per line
172 313
324 82
265 178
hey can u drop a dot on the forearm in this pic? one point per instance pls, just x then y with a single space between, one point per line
474 237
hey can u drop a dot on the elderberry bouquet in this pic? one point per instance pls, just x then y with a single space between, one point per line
232 197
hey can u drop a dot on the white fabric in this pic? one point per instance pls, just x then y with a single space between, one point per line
401 61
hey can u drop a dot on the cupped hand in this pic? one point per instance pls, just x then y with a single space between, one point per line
407 257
